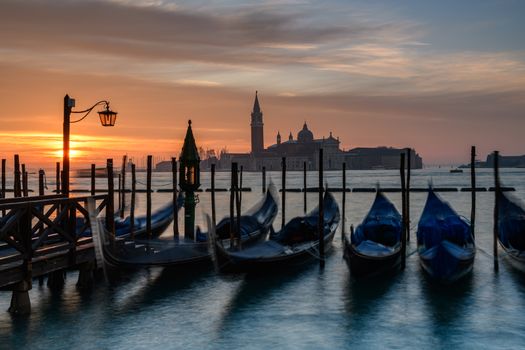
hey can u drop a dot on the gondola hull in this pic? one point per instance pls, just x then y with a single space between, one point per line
511 231
368 266
443 263
231 262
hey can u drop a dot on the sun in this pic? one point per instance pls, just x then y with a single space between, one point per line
73 153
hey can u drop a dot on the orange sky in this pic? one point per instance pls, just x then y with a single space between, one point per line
372 81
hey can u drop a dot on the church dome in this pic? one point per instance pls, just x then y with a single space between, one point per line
305 135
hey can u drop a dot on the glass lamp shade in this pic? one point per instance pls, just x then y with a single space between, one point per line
107 117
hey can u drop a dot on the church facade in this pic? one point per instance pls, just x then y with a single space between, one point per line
304 148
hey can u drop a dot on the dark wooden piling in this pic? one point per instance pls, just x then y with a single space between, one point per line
304 187
16 186
123 189
148 195
496 209
407 195
25 190
321 210
240 187
93 183
175 195
133 197
57 178
110 207
213 213
41 182
343 200
404 212
238 209
232 197
119 193
473 193
2 189
283 194
263 179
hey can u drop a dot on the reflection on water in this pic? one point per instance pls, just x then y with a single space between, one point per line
306 308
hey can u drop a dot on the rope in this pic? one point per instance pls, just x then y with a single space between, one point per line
162 185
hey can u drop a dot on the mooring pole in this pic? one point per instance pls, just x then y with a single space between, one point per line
2 192
120 195
409 170
213 216
93 176
283 194
321 210
344 201
57 179
133 197
304 187
263 179
123 189
496 208
16 187
240 187
41 182
110 206
473 193
24 183
175 195
404 212
232 198
238 207
148 196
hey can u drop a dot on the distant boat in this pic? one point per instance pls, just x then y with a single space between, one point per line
375 246
99 172
511 230
445 244
296 244
456 170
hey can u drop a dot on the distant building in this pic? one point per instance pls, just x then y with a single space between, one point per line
164 166
505 161
305 149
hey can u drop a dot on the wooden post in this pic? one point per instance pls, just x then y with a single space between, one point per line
321 211
93 175
148 196
240 187
175 195
263 179
25 183
213 218
283 194
41 182
232 196
110 207
304 187
473 193
404 212
16 186
57 179
123 188
238 207
407 195
496 209
120 195
2 190
344 201
133 196
68 104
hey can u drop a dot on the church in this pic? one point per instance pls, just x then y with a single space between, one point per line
304 148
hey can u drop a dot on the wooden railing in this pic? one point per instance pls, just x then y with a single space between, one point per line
36 230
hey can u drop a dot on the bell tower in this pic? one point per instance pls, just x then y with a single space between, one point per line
257 127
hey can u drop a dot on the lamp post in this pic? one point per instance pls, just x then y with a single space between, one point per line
107 118
189 180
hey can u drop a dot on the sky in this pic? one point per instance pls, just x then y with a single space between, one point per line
438 76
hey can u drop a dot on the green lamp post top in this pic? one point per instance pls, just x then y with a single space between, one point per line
189 149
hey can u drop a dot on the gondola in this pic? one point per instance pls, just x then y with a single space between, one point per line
511 230
160 220
445 244
375 246
133 253
296 244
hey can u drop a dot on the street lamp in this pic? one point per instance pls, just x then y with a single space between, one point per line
107 118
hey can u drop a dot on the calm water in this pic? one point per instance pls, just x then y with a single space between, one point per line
306 309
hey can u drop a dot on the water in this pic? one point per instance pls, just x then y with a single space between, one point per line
306 309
